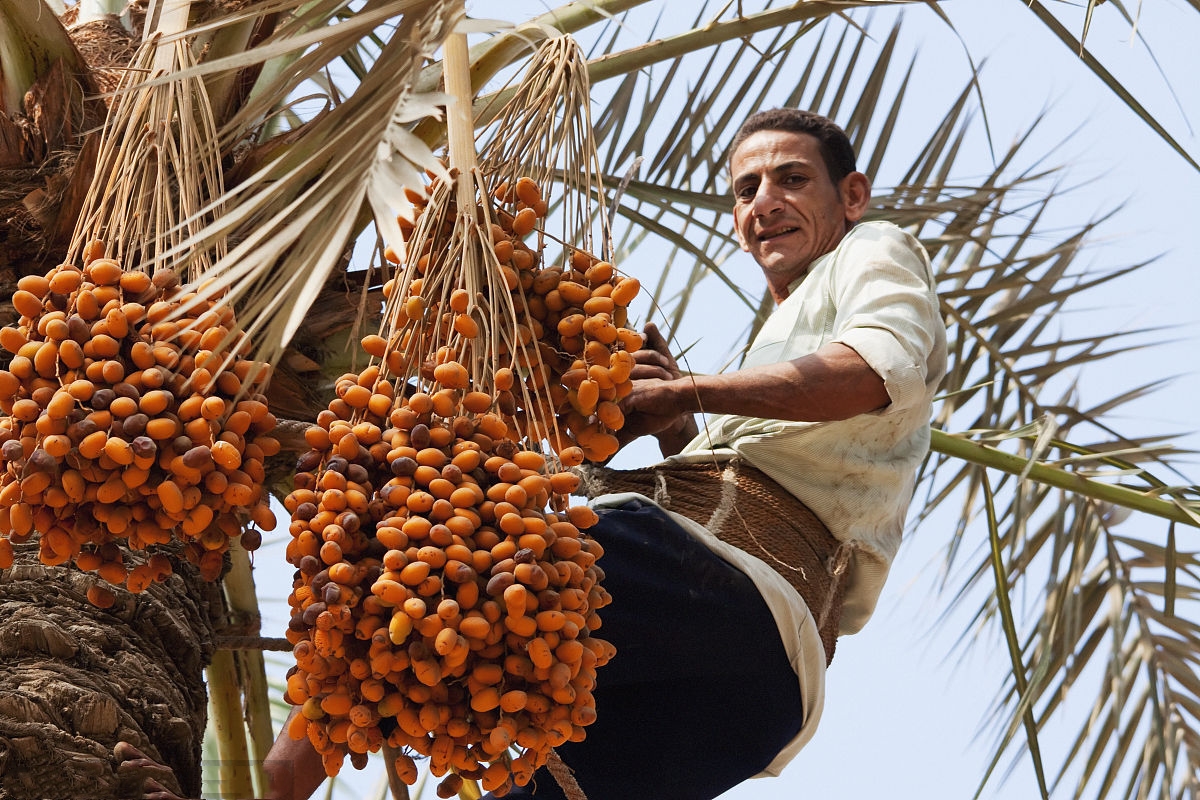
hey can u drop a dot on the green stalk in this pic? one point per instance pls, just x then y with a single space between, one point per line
494 55
32 41
1009 625
273 68
1186 512
470 790
229 678
490 57
644 55
225 42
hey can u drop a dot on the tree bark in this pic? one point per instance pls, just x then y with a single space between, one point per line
77 679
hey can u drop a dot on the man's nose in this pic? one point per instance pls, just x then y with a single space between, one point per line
767 199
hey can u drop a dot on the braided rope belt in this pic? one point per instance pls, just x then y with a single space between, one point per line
743 507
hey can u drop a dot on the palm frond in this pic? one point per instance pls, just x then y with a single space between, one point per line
296 217
1004 606
33 42
1110 80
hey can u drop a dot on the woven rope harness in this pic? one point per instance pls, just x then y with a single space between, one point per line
743 507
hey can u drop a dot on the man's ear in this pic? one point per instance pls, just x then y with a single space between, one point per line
855 189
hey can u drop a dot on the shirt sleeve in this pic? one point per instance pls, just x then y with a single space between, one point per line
887 309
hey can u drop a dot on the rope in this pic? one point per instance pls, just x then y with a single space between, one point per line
565 777
837 565
235 642
743 507
728 505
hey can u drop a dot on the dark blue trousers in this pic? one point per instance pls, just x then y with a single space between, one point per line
700 695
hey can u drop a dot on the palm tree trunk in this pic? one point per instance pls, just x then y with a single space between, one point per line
77 679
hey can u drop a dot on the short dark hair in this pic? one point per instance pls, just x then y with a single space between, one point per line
836 150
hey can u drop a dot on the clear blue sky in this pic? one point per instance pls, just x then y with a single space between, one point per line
900 719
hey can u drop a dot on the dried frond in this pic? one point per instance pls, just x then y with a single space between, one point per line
157 170
297 215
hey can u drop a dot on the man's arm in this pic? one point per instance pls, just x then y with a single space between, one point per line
890 326
294 769
833 383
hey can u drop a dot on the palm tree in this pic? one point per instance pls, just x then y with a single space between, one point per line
302 183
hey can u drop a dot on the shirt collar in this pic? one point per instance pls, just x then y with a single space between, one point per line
794 285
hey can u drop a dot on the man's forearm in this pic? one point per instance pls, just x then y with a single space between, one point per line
293 768
832 384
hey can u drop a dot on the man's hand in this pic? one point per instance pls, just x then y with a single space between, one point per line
135 767
833 383
653 407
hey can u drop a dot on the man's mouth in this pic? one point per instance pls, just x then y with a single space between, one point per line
766 236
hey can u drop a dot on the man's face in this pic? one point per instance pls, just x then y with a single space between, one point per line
787 211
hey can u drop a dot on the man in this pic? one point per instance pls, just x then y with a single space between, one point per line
724 622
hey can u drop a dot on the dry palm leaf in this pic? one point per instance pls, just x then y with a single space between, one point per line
157 170
308 203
